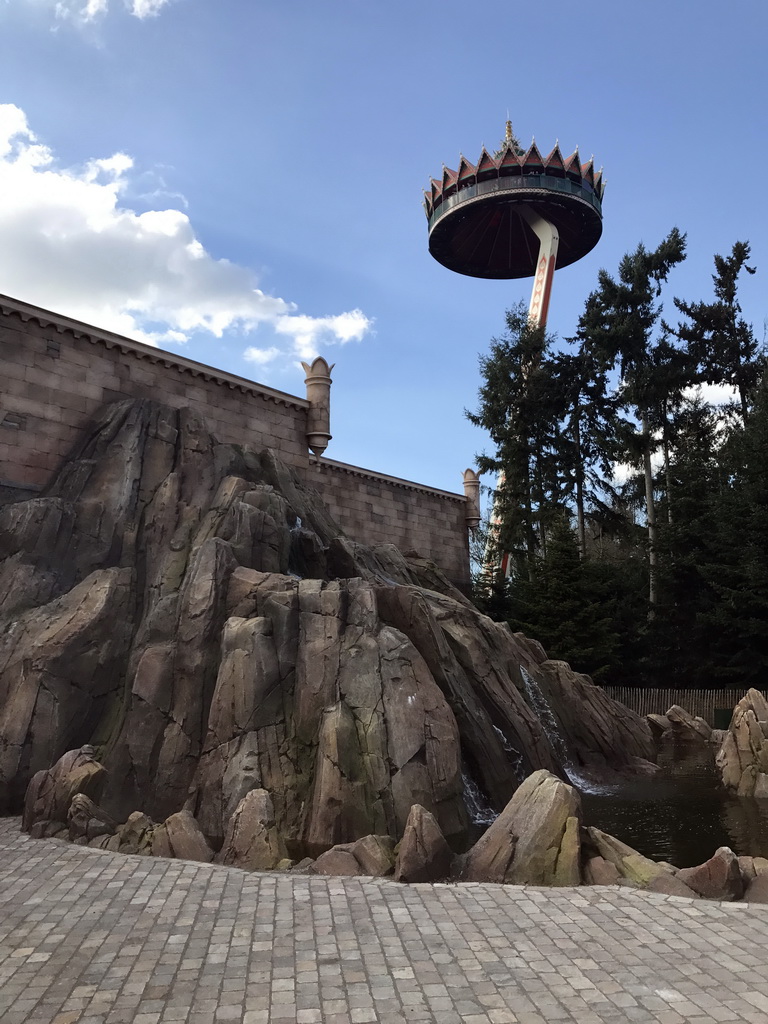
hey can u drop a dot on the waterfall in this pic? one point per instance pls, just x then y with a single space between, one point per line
479 810
541 708
543 711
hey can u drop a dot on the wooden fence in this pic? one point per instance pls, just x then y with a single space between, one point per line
714 706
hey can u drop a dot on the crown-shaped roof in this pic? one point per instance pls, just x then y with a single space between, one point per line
511 160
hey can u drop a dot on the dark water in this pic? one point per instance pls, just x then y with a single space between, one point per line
681 814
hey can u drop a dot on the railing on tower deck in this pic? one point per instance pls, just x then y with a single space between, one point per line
545 182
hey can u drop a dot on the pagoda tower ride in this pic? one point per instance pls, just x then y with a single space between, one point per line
516 214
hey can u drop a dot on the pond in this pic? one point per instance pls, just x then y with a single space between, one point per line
681 814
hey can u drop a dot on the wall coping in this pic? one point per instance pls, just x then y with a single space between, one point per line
63 324
370 474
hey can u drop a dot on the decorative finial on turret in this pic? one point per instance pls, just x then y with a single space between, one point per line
509 138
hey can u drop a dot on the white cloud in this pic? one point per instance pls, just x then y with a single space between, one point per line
261 356
71 243
85 11
307 331
147 8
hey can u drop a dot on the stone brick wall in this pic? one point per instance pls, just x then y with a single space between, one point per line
387 510
55 373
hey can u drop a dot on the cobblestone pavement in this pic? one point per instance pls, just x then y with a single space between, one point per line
99 938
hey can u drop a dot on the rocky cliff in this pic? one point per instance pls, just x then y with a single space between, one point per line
192 611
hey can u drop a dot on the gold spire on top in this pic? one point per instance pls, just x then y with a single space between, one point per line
510 141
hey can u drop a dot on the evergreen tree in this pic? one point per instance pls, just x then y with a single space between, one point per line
517 409
618 324
573 607
588 413
672 373
738 570
717 335
680 638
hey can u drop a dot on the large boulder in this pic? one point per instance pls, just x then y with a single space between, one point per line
50 791
660 725
599 871
371 855
757 890
423 855
339 860
252 840
743 757
671 885
686 728
535 839
180 836
375 855
135 834
86 820
718 878
630 864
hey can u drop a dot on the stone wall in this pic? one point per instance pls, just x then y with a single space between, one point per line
56 373
387 510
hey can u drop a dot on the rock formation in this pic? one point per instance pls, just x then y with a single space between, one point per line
371 855
180 836
719 878
592 735
193 611
685 728
423 855
87 821
535 839
538 839
629 864
51 791
743 757
252 840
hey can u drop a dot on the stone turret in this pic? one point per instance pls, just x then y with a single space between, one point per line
318 381
472 494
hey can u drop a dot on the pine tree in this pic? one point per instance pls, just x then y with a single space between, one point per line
738 570
717 335
516 407
680 639
571 606
588 412
619 322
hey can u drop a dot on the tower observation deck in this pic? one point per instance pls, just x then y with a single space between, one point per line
516 214
480 215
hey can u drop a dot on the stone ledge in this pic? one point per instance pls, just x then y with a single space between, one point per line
370 474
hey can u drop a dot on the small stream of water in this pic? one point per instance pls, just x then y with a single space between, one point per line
541 707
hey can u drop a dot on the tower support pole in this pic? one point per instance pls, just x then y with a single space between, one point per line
546 232
538 310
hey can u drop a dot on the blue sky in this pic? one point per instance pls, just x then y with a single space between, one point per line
240 180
